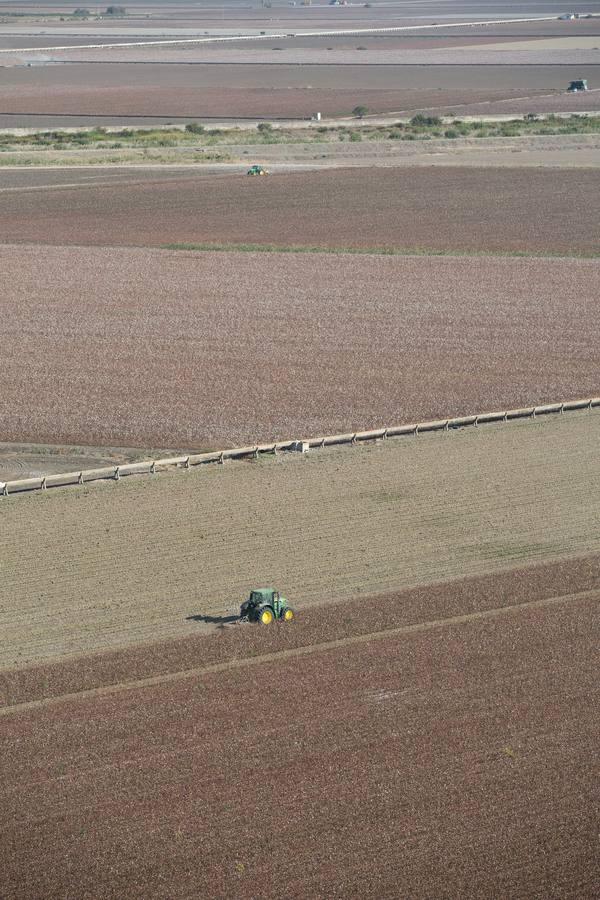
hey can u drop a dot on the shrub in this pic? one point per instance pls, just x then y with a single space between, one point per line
421 121
360 111
194 128
452 133
355 136
264 127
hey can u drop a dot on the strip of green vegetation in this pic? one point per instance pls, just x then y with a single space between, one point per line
377 251
419 128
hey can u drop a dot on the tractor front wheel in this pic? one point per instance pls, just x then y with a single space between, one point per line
266 616
288 615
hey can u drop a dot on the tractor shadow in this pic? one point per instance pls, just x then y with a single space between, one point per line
219 621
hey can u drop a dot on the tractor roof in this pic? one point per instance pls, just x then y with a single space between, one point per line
265 592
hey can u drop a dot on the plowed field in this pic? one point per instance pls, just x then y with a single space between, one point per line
268 90
482 209
452 758
340 622
137 348
156 558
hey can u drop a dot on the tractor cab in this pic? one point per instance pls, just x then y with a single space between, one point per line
264 605
579 85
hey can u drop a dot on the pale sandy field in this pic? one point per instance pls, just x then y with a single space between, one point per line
112 565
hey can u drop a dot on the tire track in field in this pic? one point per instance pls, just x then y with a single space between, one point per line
307 650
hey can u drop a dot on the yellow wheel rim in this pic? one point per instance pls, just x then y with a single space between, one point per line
288 615
266 617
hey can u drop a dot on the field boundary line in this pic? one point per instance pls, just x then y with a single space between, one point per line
307 650
153 466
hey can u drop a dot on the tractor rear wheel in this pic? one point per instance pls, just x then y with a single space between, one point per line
288 615
266 616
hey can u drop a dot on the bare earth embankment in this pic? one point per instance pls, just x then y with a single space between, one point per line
133 561
137 348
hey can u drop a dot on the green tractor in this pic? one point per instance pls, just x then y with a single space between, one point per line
264 605
257 170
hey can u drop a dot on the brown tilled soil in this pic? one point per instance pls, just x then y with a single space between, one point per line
225 91
354 51
582 102
233 51
116 564
155 348
344 620
449 760
443 208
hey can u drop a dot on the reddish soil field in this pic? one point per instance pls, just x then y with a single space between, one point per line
435 208
169 103
173 90
449 759
374 50
314 625
588 101
279 344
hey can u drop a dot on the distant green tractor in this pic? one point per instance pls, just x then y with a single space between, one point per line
264 605
257 170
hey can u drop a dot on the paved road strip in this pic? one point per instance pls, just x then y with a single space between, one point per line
308 650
